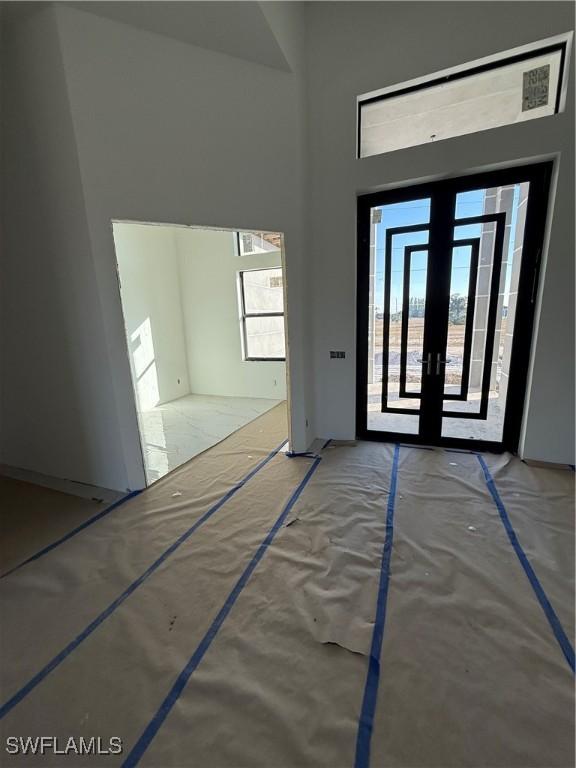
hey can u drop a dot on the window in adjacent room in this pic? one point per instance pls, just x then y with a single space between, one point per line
262 308
257 243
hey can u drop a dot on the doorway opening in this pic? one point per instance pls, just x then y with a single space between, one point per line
447 282
204 317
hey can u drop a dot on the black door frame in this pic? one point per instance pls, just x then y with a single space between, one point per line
437 298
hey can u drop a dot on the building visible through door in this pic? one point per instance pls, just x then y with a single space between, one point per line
447 277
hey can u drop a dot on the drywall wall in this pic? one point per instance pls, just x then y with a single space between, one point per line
59 415
150 285
209 269
387 43
181 314
173 133
104 122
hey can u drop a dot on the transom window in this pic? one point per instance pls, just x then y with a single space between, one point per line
521 84
262 307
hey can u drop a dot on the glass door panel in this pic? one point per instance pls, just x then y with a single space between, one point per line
399 233
412 330
447 279
493 221
463 281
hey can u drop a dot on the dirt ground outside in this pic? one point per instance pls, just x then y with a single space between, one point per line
454 350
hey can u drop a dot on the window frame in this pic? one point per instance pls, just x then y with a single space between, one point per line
560 43
244 315
239 253
259 234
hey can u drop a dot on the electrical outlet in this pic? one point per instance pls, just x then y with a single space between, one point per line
336 353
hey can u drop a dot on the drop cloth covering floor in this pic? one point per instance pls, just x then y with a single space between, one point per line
217 659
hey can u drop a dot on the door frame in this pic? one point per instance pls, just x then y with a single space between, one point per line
539 175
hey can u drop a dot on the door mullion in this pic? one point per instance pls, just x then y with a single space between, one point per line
437 309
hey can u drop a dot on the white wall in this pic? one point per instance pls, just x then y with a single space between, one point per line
173 133
209 267
384 44
149 271
59 411
105 121
181 313
113 122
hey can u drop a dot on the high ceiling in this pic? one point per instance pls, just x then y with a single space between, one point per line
238 29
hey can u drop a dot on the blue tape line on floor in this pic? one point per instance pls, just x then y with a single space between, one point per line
553 619
181 681
365 724
73 533
59 658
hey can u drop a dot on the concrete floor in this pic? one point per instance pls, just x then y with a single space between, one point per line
175 432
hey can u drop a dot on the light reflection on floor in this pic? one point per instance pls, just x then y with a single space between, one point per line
177 431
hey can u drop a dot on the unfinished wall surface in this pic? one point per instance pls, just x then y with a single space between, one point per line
149 272
385 44
209 269
108 121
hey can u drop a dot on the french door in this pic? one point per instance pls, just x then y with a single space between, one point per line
447 281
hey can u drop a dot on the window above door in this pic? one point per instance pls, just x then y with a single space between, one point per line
512 87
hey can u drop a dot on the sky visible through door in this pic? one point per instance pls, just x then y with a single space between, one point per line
397 365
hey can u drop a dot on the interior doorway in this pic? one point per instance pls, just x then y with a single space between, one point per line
204 317
447 281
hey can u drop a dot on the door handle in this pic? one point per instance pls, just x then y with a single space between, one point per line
428 363
440 362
